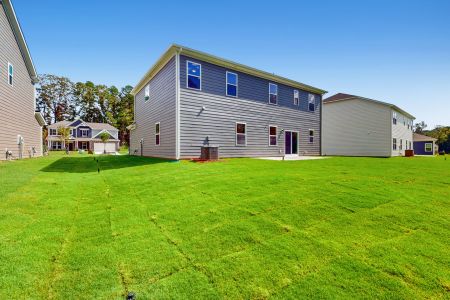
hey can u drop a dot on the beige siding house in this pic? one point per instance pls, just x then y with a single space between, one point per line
21 134
358 126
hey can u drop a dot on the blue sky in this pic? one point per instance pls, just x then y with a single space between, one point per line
395 51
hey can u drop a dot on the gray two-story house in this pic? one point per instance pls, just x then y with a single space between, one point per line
190 99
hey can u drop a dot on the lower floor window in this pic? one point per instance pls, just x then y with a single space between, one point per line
394 144
311 136
428 147
84 145
56 145
241 134
157 134
401 144
273 136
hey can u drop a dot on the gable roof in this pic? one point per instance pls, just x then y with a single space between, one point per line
422 138
21 42
344 97
96 126
174 49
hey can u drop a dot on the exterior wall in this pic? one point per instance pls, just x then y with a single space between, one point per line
400 131
356 128
419 148
161 107
17 102
216 124
84 127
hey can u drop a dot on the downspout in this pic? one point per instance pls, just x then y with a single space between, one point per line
177 104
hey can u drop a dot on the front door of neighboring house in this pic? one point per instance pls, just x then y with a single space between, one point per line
291 143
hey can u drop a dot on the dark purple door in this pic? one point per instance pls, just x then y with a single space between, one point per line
294 142
287 142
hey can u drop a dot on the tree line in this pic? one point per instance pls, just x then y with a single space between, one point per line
58 99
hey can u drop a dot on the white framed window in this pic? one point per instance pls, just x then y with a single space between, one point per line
84 132
296 97
428 147
394 118
273 93
311 136
72 132
56 145
394 144
311 102
193 75
10 74
273 140
401 145
147 92
84 145
241 134
157 133
232 84
52 131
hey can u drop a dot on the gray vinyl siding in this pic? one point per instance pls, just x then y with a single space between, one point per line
400 131
161 107
356 128
249 87
17 102
218 120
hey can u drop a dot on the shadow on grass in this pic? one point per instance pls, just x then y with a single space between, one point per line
90 164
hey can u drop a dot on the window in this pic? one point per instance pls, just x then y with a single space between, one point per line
194 75
401 144
394 118
147 92
157 134
232 83
311 102
241 134
56 145
273 135
84 145
72 132
10 74
296 97
394 144
404 121
428 147
84 132
311 136
273 93
52 131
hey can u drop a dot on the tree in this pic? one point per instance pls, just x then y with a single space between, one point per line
126 114
104 136
55 98
86 99
64 135
420 127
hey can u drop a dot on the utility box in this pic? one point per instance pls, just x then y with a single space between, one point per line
209 153
409 153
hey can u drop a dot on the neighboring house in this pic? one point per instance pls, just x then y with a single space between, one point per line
424 145
190 99
84 136
21 133
358 126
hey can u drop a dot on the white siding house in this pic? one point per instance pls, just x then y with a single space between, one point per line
358 126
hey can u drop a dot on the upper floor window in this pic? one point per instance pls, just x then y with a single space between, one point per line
394 118
10 74
194 75
273 93
157 133
404 121
273 136
72 132
311 102
311 136
52 131
84 132
232 84
394 144
241 134
147 92
296 97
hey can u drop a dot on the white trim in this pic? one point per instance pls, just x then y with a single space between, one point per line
84 130
158 133
177 104
187 75
276 135
394 140
236 85
276 94
103 130
12 75
236 134
431 147
313 136
298 142
50 132
297 98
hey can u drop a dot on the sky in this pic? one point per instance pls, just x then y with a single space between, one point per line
393 51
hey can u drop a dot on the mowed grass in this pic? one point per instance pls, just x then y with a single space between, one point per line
236 229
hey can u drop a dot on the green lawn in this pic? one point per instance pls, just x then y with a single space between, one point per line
241 228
